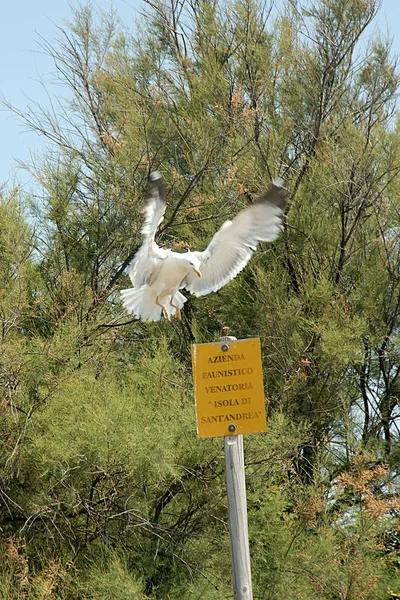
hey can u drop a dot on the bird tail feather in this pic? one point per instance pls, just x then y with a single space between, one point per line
141 303
178 300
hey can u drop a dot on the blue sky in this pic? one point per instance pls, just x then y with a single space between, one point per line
23 65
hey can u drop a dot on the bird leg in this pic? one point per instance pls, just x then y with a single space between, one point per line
178 314
166 313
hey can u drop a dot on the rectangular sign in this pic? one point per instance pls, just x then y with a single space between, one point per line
228 387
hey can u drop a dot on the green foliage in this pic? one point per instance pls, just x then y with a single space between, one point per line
106 491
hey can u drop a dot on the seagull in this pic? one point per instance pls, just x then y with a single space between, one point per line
157 274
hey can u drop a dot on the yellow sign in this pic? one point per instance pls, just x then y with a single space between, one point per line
228 386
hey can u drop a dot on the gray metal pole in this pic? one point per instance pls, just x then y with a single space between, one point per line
237 512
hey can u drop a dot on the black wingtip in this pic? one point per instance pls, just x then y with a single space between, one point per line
276 194
155 187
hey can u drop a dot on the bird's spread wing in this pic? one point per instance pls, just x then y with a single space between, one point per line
149 254
232 246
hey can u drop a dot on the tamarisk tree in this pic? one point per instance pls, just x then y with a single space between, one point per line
106 490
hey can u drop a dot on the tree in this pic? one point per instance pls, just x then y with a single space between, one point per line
107 491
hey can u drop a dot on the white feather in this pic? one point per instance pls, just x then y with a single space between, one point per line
157 274
232 246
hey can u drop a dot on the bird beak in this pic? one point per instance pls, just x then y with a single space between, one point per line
197 272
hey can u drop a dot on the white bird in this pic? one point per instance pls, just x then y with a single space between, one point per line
157 275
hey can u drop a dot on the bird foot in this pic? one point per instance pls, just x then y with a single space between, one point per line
166 314
178 314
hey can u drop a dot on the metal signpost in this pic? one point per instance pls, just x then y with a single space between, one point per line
229 396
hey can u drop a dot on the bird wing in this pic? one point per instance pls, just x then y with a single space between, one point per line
232 246
147 259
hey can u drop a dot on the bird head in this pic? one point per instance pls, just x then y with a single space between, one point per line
194 263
